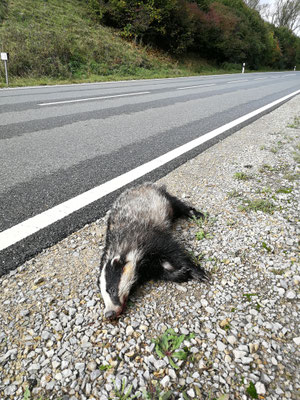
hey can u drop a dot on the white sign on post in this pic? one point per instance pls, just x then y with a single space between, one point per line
4 56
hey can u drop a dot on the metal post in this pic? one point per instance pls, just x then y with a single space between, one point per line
6 72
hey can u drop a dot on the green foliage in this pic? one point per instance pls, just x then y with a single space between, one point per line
66 40
61 40
266 247
121 394
241 176
155 393
105 367
252 391
3 10
201 234
295 124
249 295
167 345
224 30
284 190
289 47
258 205
26 394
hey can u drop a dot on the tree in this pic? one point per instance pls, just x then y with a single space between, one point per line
287 14
255 5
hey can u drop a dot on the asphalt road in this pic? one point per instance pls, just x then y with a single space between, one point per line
60 141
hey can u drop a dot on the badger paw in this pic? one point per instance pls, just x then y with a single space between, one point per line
196 214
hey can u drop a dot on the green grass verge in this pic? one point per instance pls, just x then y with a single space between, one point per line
60 42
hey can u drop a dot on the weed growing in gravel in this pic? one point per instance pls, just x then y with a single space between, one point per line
231 222
234 193
201 234
264 190
222 397
26 394
201 221
266 247
155 393
296 156
105 367
249 295
274 150
252 391
278 271
288 138
120 394
295 124
241 176
167 345
284 190
266 167
265 206
291 177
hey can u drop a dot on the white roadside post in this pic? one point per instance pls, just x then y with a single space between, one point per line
295 68
5 58
243 69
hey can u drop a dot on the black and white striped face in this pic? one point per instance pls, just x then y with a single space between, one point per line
117 277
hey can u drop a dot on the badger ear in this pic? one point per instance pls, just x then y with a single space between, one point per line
115 261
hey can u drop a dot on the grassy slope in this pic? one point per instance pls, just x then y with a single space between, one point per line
58 41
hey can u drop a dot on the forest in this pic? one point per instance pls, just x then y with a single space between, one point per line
91 40
227 31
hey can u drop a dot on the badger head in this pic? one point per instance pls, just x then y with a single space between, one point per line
117 278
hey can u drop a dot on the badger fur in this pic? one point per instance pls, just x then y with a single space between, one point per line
140 246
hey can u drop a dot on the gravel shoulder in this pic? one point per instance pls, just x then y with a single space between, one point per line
54 343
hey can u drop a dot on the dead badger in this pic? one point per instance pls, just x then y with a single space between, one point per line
140 246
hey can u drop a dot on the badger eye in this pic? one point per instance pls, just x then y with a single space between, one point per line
112 291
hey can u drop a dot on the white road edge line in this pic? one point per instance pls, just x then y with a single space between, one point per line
93 98
32 225
196 86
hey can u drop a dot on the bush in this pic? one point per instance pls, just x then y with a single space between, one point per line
231 66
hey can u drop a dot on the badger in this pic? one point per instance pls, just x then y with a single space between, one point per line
139 245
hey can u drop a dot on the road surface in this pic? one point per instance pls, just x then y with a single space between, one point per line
58 142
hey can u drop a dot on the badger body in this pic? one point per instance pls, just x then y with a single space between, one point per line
140 246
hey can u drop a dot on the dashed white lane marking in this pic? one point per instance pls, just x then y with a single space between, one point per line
259 79
93 98
21 231
239 80
196 86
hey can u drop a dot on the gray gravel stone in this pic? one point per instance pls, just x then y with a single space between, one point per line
245 321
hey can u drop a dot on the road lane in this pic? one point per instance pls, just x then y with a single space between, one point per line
51 154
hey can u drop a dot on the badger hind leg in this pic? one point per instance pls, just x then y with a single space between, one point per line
181 209
177 265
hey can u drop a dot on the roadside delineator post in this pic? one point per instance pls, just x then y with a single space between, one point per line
243 69
5 58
